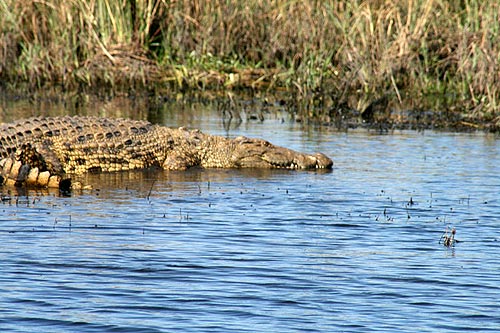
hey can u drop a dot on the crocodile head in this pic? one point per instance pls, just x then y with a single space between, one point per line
258 153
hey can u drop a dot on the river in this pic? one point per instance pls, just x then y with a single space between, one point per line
356 249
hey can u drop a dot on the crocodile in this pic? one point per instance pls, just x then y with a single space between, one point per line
46 151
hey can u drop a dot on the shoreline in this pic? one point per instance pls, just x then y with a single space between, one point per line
373 59
232 107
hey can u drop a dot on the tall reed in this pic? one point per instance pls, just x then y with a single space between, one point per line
326 53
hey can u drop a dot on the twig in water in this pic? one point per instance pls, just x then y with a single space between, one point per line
150 189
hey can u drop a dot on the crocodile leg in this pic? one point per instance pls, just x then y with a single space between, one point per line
33 165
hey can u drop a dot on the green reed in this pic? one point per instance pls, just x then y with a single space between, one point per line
325 53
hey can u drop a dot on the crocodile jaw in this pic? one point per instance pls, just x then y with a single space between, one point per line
257 153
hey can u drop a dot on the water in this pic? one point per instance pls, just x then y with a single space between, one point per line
352 250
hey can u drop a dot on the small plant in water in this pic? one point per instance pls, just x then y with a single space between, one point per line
448 238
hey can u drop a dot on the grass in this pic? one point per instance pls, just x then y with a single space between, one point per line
375 57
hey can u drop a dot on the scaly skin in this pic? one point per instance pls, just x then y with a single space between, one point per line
42 151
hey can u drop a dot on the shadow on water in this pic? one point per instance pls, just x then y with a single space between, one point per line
145 183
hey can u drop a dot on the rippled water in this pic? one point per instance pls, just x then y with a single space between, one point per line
352 250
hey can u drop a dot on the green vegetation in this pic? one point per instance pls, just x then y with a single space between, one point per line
330 56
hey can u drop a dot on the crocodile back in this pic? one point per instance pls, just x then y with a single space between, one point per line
82 144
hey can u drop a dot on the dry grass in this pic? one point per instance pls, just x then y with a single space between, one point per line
326 53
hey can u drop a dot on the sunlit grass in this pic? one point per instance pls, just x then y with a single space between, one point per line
326 53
